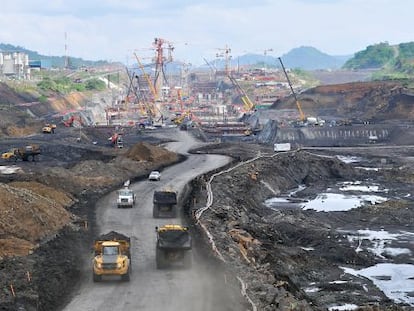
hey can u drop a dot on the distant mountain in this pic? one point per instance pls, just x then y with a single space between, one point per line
55 61
305 57
309 58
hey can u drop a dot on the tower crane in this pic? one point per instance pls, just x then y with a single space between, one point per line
149 107
301 114
159 46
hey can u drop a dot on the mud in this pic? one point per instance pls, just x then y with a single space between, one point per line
50 262
294 255
289 257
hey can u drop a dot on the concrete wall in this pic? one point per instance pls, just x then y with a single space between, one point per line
325 136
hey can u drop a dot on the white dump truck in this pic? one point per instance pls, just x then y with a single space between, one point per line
126 197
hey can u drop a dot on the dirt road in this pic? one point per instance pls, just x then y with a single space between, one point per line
200 288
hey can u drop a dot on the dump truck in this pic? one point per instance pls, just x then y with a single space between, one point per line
173 246
164 203
49 128
23 153
126 197
112 256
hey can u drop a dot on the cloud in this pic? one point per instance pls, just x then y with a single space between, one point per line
112 29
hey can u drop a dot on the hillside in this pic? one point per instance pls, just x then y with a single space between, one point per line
393 60
55 61
309 58
304 57
379 101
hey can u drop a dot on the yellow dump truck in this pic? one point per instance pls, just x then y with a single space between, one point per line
49 128
174 246
23 153
112 256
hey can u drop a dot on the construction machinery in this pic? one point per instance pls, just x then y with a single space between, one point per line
173 246
24 153
117 140
302 117
164 203
112 256
126 197
248 105
49 128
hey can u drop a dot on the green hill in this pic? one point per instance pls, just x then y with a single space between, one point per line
55 61
393 60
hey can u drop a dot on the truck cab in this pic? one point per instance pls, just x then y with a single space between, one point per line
112 257
126 198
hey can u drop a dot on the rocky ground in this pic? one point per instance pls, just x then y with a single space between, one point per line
287 250
289 257
47 209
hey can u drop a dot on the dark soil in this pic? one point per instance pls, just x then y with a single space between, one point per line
292 249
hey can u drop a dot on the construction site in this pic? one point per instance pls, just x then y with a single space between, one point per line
284 197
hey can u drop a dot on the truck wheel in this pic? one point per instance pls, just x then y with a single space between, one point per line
159 258
97 278
155 212
125 277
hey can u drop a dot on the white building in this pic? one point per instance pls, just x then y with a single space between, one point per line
14 65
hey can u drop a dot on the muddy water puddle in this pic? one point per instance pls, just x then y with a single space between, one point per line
393 273
344 197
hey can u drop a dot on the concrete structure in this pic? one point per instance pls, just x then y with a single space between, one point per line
14 65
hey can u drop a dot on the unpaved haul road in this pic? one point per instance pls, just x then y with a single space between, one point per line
201 287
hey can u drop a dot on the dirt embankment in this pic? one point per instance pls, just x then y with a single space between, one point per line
364 101
47 216
281 251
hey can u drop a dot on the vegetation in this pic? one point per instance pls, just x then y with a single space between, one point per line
54 61
374 56
66 85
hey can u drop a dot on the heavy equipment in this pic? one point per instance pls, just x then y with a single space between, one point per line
126 197
112 256
248 105
173 246
164 203
49 128
302 117
117 140
23 153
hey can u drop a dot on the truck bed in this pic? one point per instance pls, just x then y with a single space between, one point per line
165 197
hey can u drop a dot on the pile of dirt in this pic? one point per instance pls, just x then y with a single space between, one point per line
144 151
47 214
30 212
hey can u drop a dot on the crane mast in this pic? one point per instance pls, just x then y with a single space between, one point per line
301 114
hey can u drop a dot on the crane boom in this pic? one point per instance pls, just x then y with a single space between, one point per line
247 103
301 114
151 86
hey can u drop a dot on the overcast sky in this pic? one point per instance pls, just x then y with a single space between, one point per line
114 29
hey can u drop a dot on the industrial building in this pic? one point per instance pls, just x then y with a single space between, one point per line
14 65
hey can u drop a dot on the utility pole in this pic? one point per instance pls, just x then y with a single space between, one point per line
66 51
